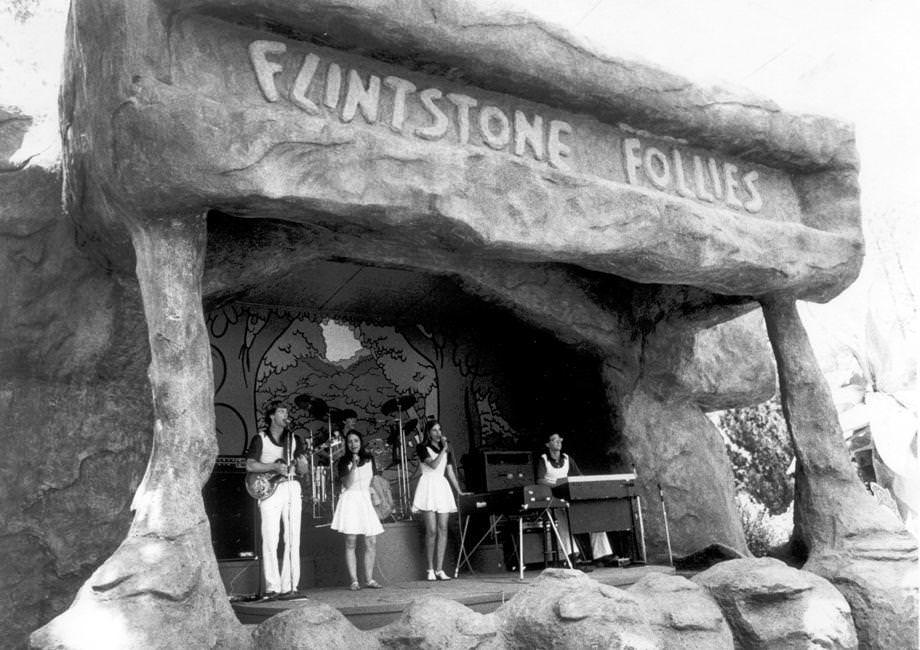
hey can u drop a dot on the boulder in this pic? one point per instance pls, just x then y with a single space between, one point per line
770 605
880 586
314 625
440 623
728 365
682 613
567 609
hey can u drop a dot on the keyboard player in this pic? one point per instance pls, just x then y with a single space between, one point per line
554 465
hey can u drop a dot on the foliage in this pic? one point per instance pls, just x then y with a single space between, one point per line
21 10
760 452
762 531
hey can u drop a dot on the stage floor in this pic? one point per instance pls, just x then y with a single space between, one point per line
371 608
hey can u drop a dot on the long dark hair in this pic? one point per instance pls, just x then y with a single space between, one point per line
363 454
428 442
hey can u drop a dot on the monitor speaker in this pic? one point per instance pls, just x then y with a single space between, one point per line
233 514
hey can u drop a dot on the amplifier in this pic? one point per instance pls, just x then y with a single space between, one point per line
534 548
509 501
530 497
506 469
232 513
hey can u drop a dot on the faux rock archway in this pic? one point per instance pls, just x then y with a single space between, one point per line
192 106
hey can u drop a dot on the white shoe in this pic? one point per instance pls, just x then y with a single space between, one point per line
440 575
431 577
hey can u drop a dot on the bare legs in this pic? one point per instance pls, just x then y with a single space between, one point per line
370 557
435 538
350 561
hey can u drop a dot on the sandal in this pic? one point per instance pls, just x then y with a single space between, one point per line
373 584
355 586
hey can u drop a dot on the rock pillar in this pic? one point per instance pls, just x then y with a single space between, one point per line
673 443
861 547
161 588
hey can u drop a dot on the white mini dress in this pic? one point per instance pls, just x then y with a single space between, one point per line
433 491
354 513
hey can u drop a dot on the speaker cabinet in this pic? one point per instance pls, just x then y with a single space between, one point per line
534 540
506 469
240 577
488 558
231 512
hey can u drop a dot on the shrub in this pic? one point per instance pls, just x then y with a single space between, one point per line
763 532
760 453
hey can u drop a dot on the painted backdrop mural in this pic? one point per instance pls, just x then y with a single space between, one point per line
335 375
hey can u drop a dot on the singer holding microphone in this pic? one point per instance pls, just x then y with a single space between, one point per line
433 497
354 513
274 449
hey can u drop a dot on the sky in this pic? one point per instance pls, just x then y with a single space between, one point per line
850 59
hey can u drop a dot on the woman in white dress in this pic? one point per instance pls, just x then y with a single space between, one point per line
354 513
433 497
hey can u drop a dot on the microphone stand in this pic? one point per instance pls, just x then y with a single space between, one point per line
331 445
290 505
667 532
404 469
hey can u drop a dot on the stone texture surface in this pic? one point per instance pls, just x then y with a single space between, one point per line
151 593
673 444
849 538
252 155
74 400
725 366
682 614
440 623
314 625
566 609
771 605
162 589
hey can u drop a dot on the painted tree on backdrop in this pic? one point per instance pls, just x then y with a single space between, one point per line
252 334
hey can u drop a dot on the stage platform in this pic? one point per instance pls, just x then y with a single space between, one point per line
371 608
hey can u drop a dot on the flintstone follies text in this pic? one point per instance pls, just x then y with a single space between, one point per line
430 114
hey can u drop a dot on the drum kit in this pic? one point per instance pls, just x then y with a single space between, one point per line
400 406
329 447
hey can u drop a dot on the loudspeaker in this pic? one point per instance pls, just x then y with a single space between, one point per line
534 535
231 511
506 469
240 577
488 558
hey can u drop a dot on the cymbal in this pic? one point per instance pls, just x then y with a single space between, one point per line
398 404
313 405
303 401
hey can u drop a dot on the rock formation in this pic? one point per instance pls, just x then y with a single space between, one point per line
771 605
624 210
